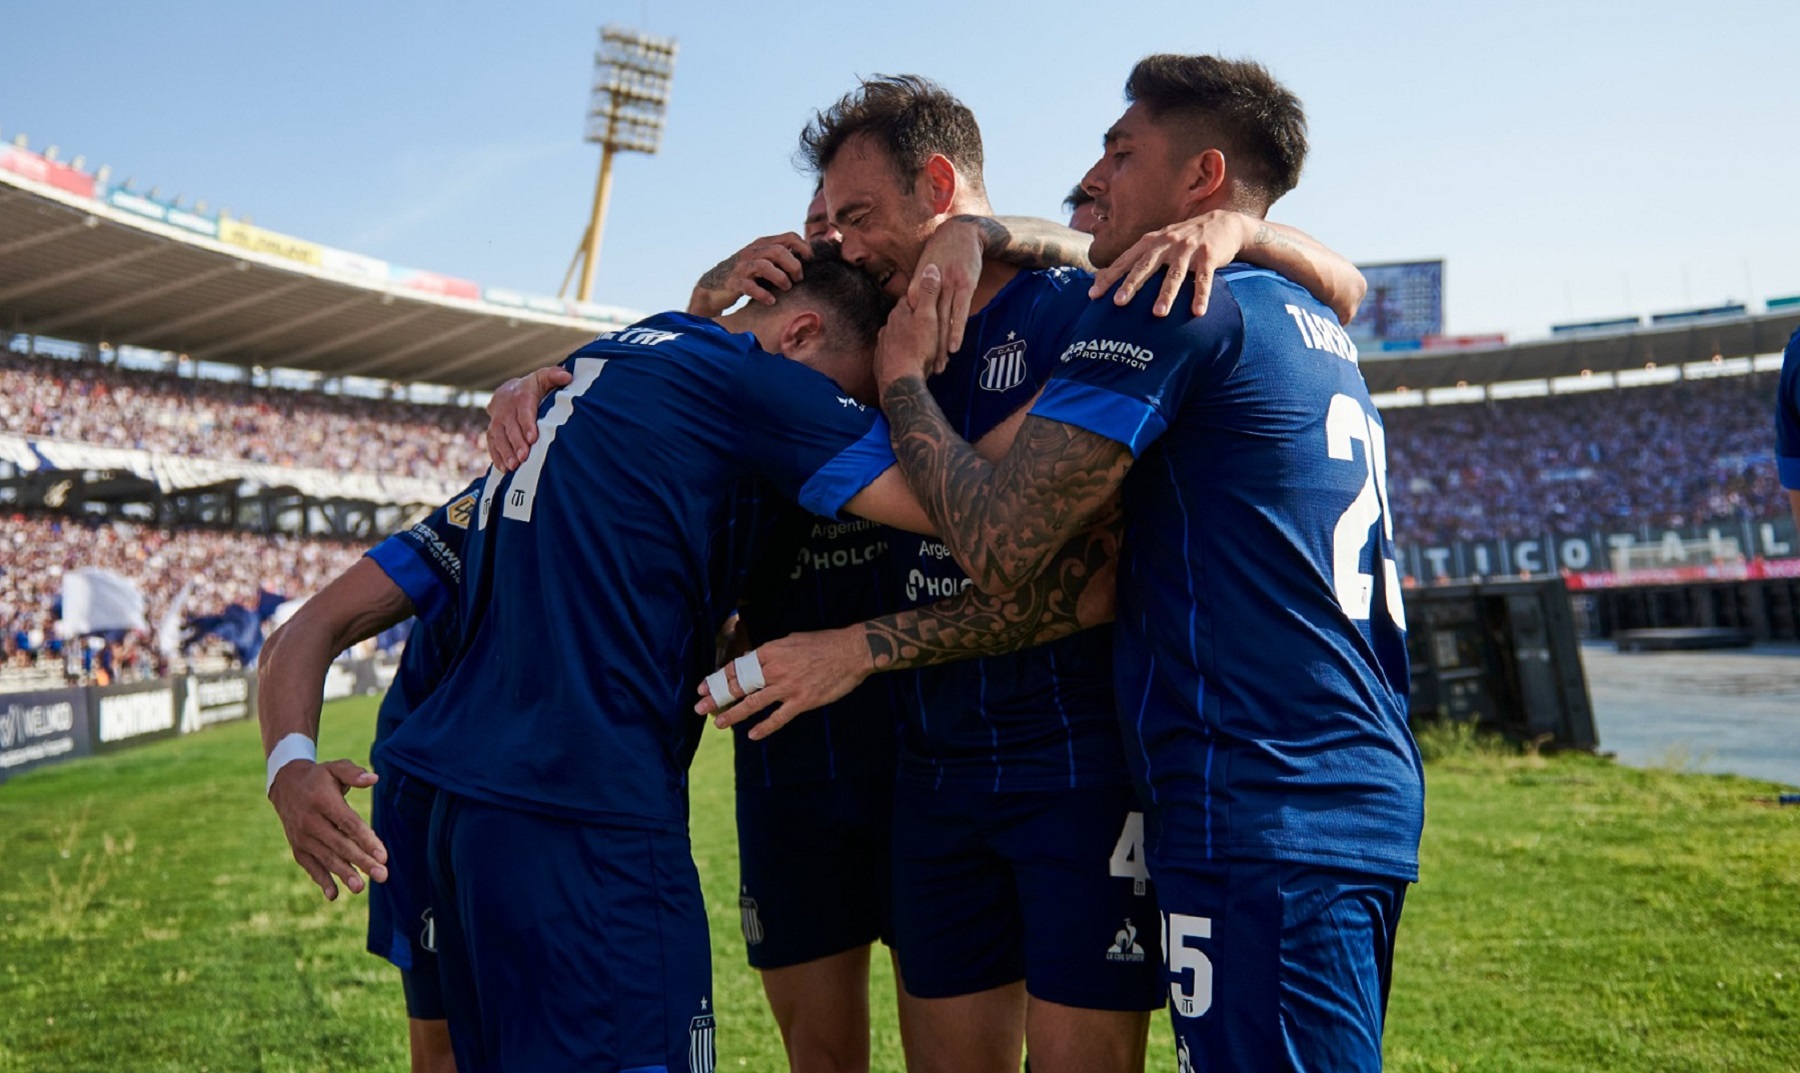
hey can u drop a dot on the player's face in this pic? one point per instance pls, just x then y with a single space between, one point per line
884 222
818 224
1136 185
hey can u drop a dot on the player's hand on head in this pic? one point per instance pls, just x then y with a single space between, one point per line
512 414
328 838
956 249
910 341
800 672
1197 248
761 271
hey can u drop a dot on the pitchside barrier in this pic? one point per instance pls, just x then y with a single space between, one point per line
48 726
1502 655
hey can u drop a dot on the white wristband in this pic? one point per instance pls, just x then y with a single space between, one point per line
749 672
286 751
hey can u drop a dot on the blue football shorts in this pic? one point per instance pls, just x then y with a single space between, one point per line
815 869
1275 967
1045 886
402 926
569 945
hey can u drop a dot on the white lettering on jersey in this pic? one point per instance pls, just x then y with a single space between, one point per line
1320 333
1131 354
645 336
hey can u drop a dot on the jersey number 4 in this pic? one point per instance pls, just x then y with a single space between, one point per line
1347 424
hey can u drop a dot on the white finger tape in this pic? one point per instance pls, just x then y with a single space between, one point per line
749 672
719 687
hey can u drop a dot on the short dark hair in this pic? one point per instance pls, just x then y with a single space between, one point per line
1077 198
857 304
1233 105
908 116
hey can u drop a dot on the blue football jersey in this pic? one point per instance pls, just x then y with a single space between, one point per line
595 573
1037 719
816 574
1261 656
426 562
1787 417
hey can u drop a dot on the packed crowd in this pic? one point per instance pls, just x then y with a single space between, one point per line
1687 453
89 402
217 568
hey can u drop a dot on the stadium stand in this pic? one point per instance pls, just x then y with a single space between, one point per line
88 402
1670 455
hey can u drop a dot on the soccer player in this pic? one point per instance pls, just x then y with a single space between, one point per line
1787 425
414 572
569 923
1261 661
1019 901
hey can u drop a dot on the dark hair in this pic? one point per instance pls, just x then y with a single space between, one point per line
1077 198
1235 106
908 116
855 305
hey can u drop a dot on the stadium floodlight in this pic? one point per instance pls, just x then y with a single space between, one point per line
632 72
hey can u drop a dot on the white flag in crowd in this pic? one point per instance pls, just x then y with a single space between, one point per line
95 600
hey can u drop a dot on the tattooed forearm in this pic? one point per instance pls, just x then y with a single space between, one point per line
1001 522
1029 242
1074 593
1330 277
717 275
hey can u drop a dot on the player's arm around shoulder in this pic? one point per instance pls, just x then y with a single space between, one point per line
327 836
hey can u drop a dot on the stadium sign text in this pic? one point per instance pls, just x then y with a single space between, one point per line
1646 549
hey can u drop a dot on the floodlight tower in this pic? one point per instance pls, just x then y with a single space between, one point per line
632 72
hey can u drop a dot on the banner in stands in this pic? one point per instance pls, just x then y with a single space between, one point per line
40 728
39 169
272 243
432 283
1636 557
217 698
133 713
120 198
1405 303
353 264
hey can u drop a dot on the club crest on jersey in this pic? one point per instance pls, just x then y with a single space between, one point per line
1003 368
700 1043
1125 946
749 920
461 512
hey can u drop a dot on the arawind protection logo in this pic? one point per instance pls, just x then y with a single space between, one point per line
1138 357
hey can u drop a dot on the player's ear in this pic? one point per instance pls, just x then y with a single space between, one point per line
802 332
1203 175
940 181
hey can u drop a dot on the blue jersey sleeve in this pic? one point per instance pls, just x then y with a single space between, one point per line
1787 418
800 432
426 560
1124 371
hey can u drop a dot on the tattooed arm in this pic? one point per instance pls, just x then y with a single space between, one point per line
806 671
758 271
1027 242
1002 521
1201 246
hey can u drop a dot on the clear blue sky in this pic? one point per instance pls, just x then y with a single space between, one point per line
1567 159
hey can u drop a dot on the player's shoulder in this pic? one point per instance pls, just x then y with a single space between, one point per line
666 333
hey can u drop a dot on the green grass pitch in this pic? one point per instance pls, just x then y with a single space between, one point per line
1573 915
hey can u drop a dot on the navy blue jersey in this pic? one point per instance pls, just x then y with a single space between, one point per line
1787 417
816 574
1262 675
1041 718
426 562
595 578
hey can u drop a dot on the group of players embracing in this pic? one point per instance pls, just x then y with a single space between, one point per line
1063 642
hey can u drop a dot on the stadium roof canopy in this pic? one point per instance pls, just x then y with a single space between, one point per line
1664 345
83 262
